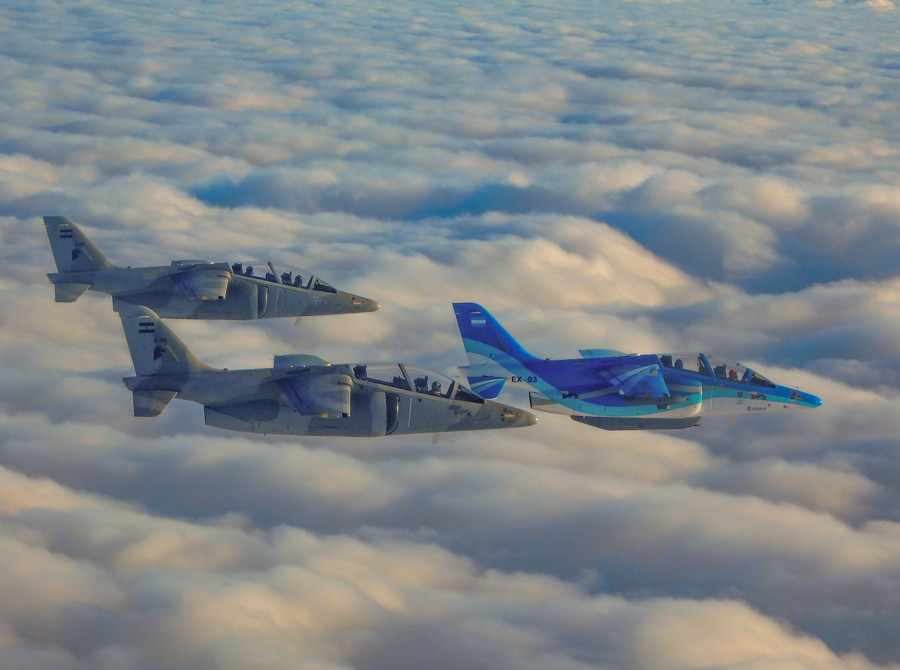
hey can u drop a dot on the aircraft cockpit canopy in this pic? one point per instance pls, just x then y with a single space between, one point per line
710 365
280 274
414 379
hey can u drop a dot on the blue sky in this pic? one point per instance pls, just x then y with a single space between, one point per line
646 176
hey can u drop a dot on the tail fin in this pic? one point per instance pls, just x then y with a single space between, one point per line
72 250
483 337
492 352
161 360
155 349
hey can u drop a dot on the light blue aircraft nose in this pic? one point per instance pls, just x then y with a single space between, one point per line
805 399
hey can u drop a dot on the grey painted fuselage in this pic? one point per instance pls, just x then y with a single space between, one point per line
302 394
255 401
192 289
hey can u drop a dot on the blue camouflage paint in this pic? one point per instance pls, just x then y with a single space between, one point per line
615 385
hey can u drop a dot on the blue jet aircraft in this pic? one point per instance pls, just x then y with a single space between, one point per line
618 391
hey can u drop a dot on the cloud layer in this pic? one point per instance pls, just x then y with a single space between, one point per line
642 176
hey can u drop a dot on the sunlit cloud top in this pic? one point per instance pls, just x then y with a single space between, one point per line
644 176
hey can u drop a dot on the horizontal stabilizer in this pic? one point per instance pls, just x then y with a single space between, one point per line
487 379
152 402
70 292
487 387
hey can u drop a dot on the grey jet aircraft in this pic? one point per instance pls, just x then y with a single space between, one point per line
302 394
193 289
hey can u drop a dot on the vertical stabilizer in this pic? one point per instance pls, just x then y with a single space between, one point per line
483 336
72 250
155 349
492 352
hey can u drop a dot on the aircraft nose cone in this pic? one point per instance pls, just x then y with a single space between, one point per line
515 418
365 304
807 399
493 415
528 419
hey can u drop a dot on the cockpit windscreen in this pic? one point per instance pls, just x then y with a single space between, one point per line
279 274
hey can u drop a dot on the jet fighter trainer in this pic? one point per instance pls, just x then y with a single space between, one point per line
193 289
614 390
302 394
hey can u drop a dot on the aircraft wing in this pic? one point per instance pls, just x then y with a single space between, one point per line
632 379
642 382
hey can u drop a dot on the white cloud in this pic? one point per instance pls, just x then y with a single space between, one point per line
647 177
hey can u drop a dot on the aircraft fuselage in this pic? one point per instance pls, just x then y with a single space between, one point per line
178 293
570 387
614 390
330 400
